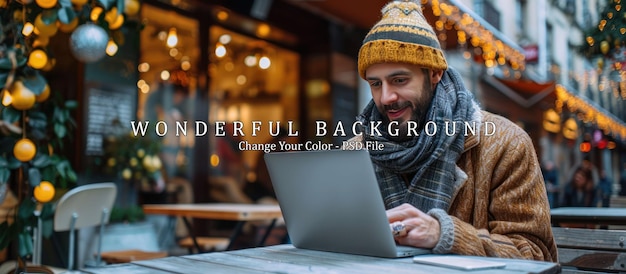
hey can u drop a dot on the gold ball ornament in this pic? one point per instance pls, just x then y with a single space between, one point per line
604 47
46 4
18 15
111 162
44 192
24 150
127 174
110 15
44 29
79 2
131 7
69 27
23 98
37 59
50 64
43 95
147 162
41 41
117 22
156 163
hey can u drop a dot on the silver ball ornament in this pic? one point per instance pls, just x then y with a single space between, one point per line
88 42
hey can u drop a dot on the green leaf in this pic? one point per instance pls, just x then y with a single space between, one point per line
58 115
34 176
104 3
37 119
66 14
4 163
14 163
47 211
3 78
41 160
36 83
66 115
120 6
66 3
71 175
25 244
26 208
60 130
5 173
71 104
38 133
49 16
46 228
11 115
61 168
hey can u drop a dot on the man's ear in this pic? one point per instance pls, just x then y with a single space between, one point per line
435 77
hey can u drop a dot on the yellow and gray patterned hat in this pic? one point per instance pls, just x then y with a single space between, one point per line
402 36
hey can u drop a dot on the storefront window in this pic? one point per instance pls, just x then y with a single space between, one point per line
167 85
250 80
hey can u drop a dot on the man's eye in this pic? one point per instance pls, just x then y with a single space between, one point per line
399 80
374 84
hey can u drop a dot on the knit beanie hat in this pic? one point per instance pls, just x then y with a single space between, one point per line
402 36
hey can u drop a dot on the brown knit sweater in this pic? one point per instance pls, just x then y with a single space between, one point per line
502 209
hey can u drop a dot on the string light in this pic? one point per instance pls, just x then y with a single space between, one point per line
111 48
588 113
6 98
172 38
28 29
449 17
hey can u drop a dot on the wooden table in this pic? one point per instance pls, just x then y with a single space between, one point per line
287 259
219 211
589 215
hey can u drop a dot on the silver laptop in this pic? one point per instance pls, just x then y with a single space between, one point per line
330 201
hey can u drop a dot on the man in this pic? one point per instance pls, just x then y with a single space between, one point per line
471 194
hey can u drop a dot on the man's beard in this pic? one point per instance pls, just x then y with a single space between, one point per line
419 107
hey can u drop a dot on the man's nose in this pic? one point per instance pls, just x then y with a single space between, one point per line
389 95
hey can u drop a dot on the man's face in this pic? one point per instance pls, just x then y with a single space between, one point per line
402 92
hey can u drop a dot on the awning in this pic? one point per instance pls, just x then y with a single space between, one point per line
458 23
590 112
464 26
524 92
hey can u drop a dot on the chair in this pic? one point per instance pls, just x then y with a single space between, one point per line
84 206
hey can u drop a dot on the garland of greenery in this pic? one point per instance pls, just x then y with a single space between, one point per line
26 113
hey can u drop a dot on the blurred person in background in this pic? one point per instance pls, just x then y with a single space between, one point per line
551 178
580 191
622 181
604 189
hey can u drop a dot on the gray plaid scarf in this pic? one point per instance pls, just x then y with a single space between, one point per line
431 158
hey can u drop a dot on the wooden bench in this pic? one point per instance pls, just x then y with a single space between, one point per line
591 250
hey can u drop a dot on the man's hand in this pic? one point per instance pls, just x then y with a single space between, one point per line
420 229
